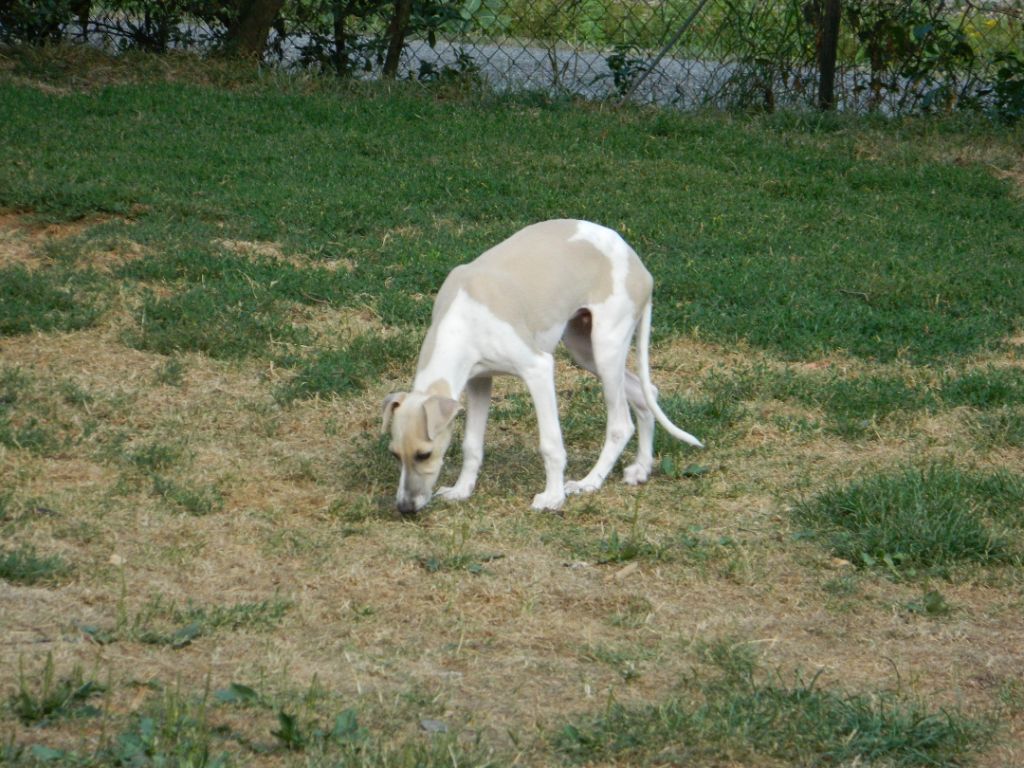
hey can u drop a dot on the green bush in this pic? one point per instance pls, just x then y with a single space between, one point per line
36 21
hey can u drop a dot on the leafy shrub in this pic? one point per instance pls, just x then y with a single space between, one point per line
36 21
1008 87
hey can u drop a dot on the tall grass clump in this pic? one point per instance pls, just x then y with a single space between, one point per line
921 520
48 698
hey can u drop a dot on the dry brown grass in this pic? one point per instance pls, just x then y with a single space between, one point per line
24 242
68 69
1003 160
306 515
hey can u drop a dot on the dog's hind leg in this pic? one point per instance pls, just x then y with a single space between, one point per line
640 470
607 359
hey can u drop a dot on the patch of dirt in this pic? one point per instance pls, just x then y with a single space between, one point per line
23 242
108 259
254 249
17 250
1015 175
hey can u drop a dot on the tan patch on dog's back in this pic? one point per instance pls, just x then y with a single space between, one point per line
514 278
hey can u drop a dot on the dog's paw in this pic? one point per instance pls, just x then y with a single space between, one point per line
581 486
548 501
454 492
635 474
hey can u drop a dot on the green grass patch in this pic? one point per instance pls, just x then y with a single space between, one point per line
778 256
985 389
154 456
28 413
628 664
932 604
348 369
609 546
178 728
197 500
1003 427
224 320
921 521
462 561
853 406
44 300
739 713
14 382
23 565
171 373
26 421
29 434
710 418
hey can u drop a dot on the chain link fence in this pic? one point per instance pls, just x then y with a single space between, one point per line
890 57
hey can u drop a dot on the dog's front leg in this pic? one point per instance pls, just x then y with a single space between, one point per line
478 402
540 380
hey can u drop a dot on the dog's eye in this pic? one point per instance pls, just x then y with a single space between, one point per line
422 455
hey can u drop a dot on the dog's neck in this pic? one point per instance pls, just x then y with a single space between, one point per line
445 365
437 377
439 387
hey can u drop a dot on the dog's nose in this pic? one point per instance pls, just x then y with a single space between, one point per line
407 507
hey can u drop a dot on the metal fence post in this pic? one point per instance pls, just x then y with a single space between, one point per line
668 46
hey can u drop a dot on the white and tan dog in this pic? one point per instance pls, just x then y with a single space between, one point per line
504 313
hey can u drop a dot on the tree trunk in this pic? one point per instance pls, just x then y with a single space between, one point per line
82 9
397 30
247 36
827 55
341 65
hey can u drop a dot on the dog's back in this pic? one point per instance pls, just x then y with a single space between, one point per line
538 278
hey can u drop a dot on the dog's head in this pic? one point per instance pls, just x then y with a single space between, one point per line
421 429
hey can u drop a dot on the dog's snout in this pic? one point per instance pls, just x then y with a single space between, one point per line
407 507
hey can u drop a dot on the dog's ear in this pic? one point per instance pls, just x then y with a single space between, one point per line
391 402
440 412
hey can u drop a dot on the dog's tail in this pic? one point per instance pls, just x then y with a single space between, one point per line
643 349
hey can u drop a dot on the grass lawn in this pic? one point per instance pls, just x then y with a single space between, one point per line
209 281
